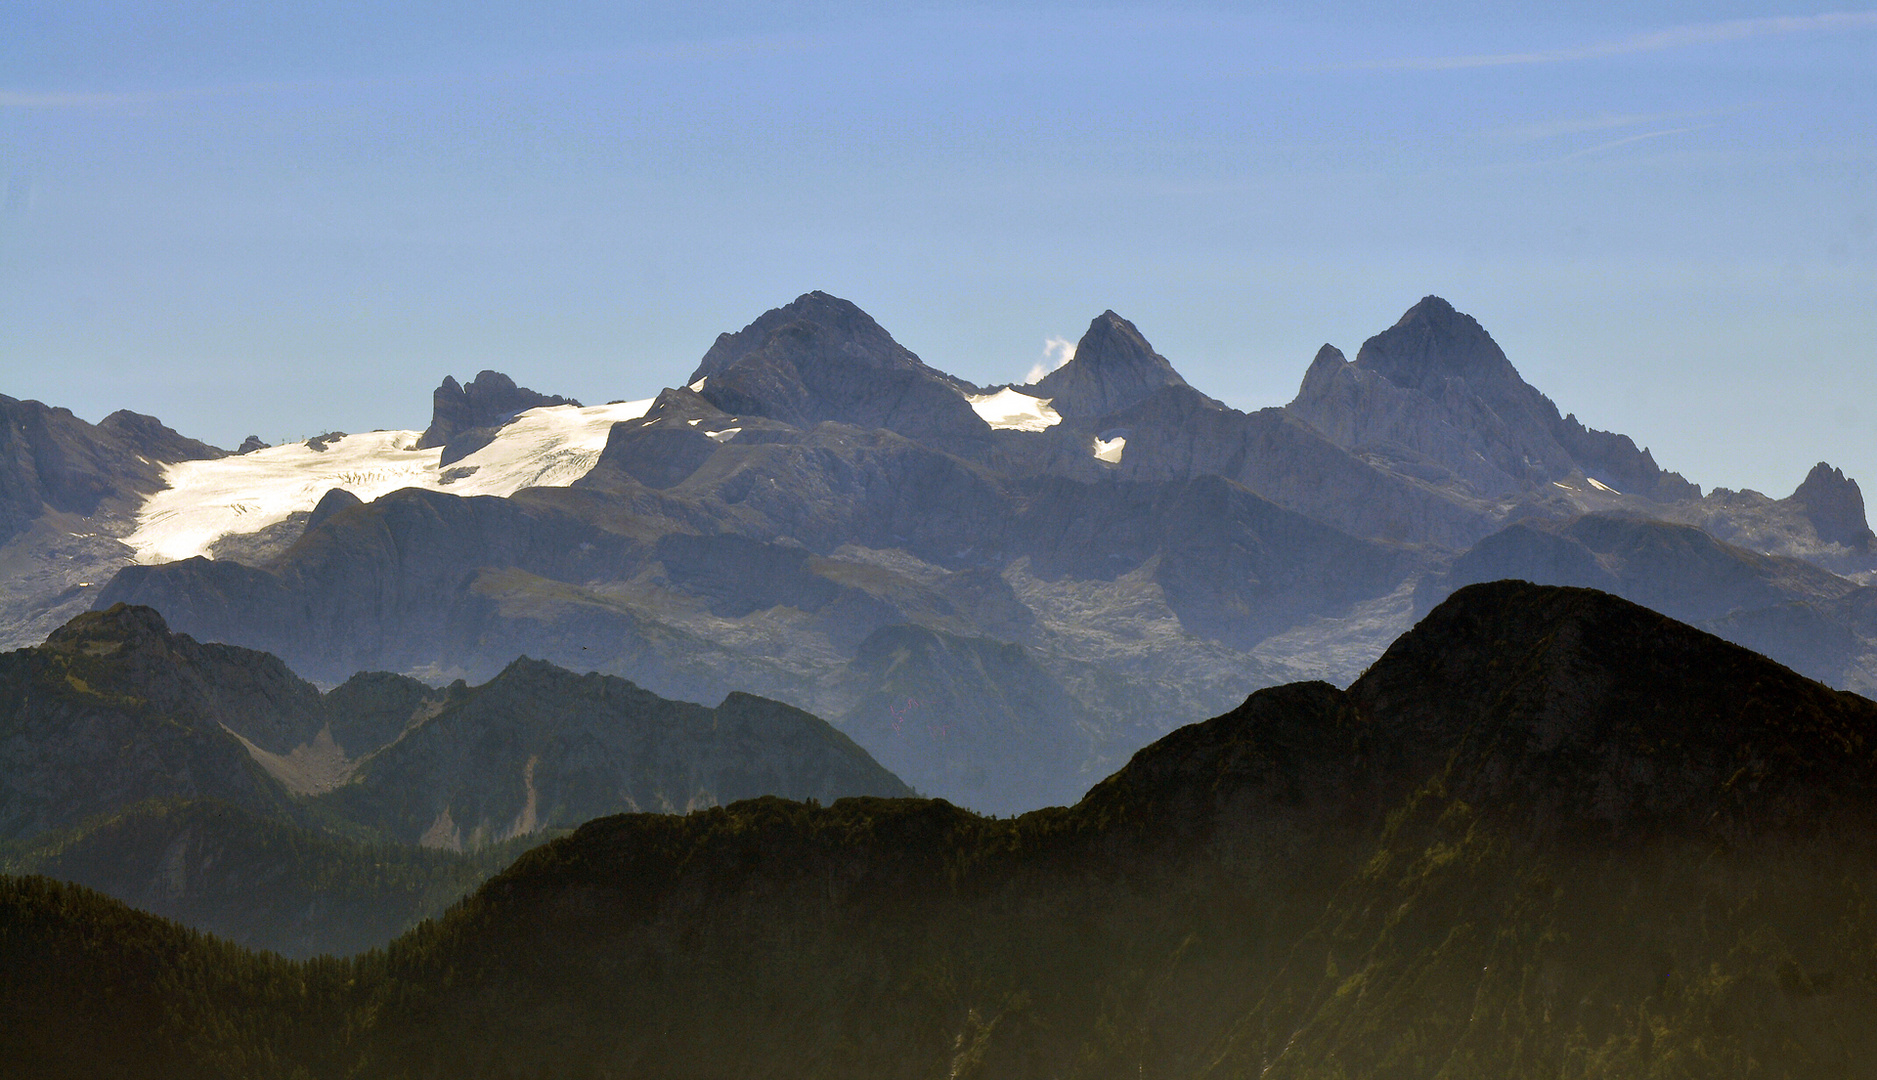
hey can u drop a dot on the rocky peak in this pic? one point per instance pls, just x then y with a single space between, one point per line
823 359
1325 370
1432 342
119 628
464 418
814 322
1113 368
1835 507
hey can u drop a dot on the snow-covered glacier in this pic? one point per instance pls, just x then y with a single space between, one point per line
206 500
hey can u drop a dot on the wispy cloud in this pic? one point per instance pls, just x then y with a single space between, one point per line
1581 125
1627 139
1057 351
1678 37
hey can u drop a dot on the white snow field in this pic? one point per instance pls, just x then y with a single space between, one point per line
1012 409
1109 450
207 500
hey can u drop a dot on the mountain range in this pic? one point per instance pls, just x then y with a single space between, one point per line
999 591
1548 833
209 782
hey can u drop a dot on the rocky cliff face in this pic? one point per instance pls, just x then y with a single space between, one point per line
69 493
1834 506
52 461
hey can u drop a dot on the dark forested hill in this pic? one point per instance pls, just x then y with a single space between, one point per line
1550 833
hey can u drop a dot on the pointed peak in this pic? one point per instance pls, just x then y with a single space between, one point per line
1834 505
1113 368
1825 473
1326 370
1112 339
1432 342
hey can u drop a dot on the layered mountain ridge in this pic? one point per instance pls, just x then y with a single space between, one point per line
177 774
1550 832
815 483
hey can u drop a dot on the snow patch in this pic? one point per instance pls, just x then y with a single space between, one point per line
1109 450
1012 410
1595 483
723 436
206 500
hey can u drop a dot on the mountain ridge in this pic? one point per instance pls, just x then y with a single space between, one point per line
1548 826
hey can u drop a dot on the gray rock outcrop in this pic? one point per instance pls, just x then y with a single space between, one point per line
464 419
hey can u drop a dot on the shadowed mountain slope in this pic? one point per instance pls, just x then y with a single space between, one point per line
1793 611
1549 833
260 880
210 783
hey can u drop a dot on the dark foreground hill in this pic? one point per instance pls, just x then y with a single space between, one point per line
1549 834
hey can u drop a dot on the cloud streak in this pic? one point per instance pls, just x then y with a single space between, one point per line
1626 140
1679 37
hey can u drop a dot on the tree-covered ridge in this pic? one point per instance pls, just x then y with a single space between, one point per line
1549 834
260 881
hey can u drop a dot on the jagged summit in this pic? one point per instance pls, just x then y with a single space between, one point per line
465 418
1833 504
1114 367
1437 395
1431 342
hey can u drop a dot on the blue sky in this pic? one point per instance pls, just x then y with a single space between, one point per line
249 219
